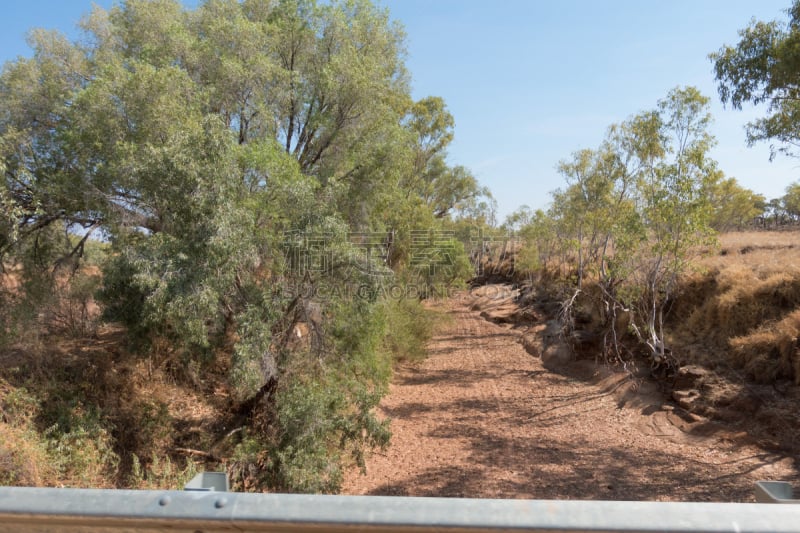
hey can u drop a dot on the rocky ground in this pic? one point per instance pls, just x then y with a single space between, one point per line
485 417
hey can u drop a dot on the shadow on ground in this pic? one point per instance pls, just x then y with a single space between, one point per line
504 461
505 467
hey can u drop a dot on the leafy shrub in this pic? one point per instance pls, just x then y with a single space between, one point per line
412 326
160 473
76 448
81 447
24 459
324 409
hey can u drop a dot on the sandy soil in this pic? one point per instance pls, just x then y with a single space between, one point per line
481 417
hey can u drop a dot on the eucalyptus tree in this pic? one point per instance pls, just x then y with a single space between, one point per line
734 207
674 206
791 201
227 153
632 212
764 68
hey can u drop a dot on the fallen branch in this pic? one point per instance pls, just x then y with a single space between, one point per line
198 453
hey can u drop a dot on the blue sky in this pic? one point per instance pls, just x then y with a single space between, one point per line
530 82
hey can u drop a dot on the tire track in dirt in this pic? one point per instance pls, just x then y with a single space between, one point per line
483 418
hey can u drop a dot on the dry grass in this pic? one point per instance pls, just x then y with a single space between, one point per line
743 305
24 461
771 351
763 239
78 409
762 252
23 454
83 412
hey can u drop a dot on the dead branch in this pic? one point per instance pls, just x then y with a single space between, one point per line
198 453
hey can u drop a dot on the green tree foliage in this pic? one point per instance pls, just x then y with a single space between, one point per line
518 219
228 153
764 67
441 188
674 205
630 215
734 207
791 201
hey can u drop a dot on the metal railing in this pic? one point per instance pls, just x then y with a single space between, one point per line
775 492
93 510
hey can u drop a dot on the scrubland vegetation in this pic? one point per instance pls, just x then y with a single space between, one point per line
217 226
743 305
211 223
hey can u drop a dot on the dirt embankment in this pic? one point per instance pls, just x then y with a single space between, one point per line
483 417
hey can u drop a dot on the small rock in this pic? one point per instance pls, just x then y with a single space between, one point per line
689 376
526 314
686 398
530 344
745 402
556 355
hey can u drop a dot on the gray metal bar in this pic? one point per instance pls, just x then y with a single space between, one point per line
775 492
209 482
73 510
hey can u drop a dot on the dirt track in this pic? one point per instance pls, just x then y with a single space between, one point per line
483 418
